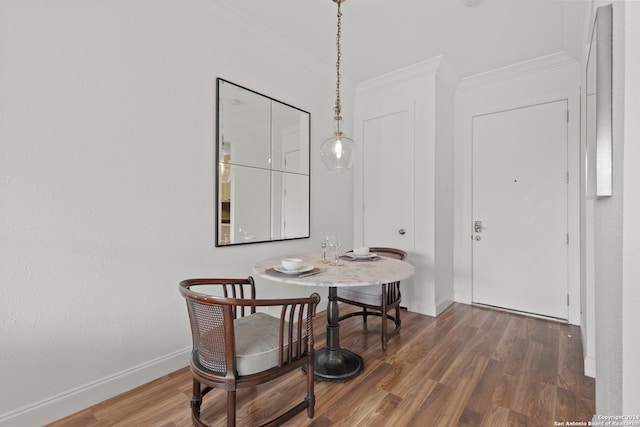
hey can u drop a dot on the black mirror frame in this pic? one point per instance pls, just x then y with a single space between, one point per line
217 171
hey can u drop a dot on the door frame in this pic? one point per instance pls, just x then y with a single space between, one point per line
475 217
545 80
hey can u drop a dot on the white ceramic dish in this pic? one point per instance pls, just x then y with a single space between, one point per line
363 251
292 264
367 256
303 269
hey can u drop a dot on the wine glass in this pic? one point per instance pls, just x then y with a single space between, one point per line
334 242
326 241
323 247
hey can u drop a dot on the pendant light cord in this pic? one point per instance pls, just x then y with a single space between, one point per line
337 109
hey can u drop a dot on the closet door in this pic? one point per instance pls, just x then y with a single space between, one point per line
520 209
388 176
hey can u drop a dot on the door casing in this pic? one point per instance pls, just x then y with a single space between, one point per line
520 193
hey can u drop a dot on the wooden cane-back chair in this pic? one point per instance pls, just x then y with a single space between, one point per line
376 300
234 346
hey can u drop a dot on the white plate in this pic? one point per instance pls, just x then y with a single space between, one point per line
367 256
303 269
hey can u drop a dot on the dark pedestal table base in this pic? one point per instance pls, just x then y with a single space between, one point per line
333 363
337 365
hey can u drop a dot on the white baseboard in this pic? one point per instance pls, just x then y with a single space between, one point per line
442 306
590 367
74 400
425 308
429 309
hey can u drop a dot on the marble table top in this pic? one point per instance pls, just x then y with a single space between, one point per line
348 273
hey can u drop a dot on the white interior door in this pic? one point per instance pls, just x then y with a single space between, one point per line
520 196
388 180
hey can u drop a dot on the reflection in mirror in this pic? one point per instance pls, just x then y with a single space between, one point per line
599 105
262 168
290 202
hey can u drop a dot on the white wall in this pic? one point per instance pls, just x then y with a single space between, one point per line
107 183
540 80
445 86
589 200
617 234
630 215
608 234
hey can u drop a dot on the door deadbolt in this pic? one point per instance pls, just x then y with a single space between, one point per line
478 238
477 227
401 232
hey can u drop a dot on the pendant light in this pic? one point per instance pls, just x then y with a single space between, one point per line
338 151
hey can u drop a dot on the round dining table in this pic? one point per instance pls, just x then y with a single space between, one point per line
334 363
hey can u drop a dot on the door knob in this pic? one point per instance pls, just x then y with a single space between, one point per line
401 232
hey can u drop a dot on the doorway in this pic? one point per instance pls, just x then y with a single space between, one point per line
519 204
388 185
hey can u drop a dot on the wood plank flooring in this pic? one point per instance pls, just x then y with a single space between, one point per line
470 366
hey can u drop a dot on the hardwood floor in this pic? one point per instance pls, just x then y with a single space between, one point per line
469 367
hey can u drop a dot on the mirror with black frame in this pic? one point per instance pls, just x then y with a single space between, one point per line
262 165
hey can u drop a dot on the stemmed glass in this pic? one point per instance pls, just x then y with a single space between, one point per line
334 242
326 241
323 246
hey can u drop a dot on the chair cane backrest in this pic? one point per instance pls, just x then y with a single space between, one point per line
207 326
212 322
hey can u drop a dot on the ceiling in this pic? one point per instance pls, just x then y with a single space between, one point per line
380 36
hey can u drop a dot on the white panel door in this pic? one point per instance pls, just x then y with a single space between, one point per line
388 179
520 197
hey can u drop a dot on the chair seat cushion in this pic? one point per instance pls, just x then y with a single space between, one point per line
371 295
257 342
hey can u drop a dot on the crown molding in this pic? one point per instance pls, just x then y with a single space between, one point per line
532 66
432 66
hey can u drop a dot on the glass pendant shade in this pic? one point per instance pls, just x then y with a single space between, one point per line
337 152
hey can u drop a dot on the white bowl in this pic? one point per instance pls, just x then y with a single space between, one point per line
292 264
361 251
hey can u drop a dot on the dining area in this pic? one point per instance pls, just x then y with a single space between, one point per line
353 270
147 145
238 344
